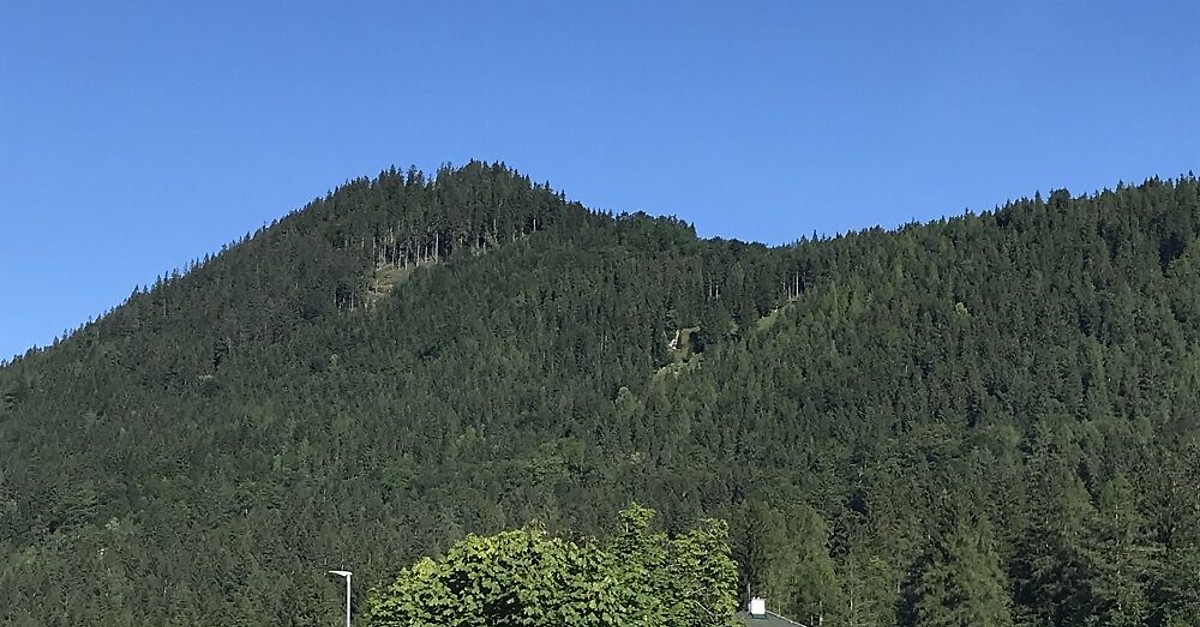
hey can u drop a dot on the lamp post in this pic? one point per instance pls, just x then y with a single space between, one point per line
346 574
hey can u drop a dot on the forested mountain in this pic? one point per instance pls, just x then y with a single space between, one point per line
991 419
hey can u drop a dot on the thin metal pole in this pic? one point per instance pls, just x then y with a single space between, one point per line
346 574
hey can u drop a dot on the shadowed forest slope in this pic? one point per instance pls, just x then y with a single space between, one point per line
990 418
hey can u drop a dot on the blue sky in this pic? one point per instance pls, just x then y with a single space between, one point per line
135 136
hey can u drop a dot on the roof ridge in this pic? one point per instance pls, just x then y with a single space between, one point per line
781 617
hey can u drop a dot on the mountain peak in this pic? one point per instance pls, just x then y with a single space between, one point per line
408 360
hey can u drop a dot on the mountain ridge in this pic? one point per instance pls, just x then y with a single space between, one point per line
232 423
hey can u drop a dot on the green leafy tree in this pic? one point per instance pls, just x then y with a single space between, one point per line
527 577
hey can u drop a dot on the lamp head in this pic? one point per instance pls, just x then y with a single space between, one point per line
340 573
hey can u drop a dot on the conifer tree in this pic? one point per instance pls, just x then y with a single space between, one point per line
962 581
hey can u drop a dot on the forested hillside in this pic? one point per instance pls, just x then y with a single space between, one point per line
988 420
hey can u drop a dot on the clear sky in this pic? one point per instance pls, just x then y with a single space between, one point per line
136 136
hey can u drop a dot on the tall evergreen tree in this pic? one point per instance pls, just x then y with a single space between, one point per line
962 581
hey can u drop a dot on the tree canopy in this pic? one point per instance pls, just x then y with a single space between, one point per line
638 577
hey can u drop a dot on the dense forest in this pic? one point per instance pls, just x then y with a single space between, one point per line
987 420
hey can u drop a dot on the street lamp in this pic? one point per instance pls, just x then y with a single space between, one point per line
346 574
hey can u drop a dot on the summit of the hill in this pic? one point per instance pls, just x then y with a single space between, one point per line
406 360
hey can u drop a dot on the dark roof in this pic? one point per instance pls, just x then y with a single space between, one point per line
770 619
